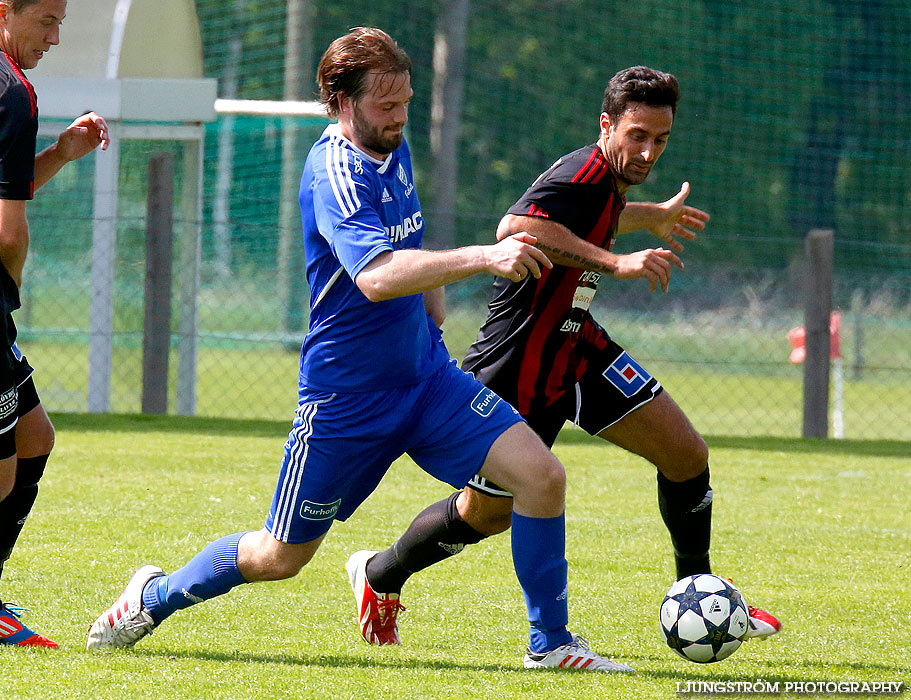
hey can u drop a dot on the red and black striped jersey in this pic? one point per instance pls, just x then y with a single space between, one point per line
531 348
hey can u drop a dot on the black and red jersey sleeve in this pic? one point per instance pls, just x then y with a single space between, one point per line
572 192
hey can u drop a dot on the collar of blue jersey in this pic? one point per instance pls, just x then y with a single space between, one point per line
336 130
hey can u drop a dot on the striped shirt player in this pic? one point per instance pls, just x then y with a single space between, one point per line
18 396
540 348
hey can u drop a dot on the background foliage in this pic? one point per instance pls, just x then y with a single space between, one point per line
795 113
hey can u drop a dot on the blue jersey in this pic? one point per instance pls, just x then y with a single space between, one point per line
355 207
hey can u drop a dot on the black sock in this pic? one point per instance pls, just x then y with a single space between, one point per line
14 509
437 533
686 508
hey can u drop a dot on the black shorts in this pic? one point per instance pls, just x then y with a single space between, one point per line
18 396
613 386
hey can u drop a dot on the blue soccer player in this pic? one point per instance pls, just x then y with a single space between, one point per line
376 380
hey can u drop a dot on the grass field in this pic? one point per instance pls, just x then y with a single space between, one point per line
817 532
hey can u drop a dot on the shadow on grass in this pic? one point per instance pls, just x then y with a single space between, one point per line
816 671
868 448
324 661
134 423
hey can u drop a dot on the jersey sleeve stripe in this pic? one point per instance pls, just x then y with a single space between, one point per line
333 179
340 178
580 175
596 173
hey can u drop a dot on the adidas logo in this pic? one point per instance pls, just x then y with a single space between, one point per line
706 502
386 196
451 548
716 607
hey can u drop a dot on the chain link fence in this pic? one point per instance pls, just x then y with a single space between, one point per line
781 129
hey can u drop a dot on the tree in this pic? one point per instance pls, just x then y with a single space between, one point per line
298 59
446 114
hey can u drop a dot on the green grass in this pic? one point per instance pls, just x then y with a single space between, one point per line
819 532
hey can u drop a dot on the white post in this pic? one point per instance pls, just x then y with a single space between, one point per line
224 166
190 254
838 390
104 245
221 205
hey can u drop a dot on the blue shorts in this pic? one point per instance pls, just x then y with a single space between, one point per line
341 445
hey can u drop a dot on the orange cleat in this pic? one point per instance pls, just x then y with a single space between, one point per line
14 633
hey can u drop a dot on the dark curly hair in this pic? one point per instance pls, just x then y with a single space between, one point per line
643 85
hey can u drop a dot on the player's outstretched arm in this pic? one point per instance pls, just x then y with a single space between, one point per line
668 220
652 264
80 138
563 247
399 273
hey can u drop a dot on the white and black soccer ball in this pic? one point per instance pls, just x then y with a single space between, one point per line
704 618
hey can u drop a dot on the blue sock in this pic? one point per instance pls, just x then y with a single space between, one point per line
539 555
210 573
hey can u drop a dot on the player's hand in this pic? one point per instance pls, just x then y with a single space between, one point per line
653 264
679 219
516 257
83 136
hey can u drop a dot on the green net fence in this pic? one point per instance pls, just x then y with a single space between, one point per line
795 115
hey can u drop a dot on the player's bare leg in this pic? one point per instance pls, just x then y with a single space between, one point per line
660 432
261 557
489 515
521 463
684 493
152 595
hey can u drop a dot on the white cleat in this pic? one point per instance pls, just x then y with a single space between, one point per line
126 621
576 654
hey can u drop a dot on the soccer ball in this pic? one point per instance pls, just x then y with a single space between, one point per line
704 618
